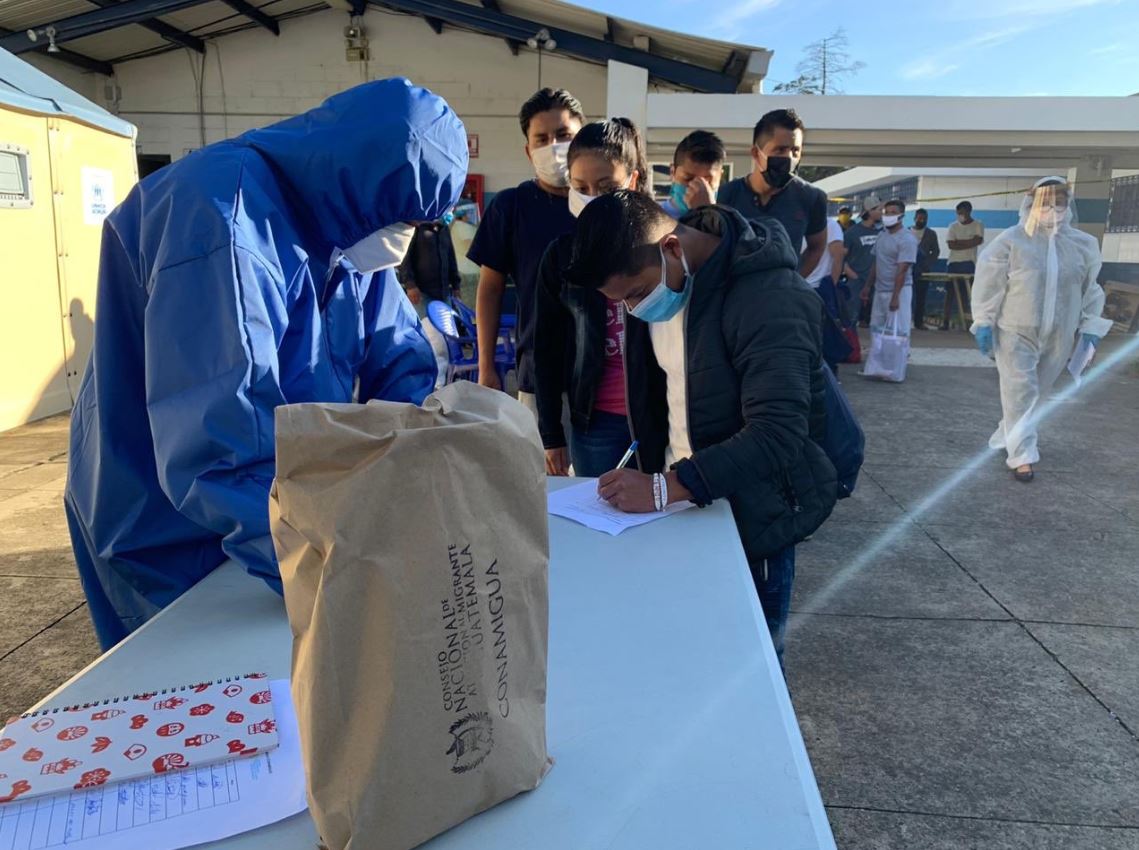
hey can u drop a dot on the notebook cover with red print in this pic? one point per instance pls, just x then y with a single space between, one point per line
83 746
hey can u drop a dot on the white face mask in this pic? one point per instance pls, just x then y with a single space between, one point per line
384 249
551 164
578 201
1050 219
891 220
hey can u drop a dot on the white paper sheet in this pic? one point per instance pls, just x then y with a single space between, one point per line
172 811
1081 357
581 504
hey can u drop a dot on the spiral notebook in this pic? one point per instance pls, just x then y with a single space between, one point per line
84 746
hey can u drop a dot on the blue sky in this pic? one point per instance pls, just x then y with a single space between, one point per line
948 47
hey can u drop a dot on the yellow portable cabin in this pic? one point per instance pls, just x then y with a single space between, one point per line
64 164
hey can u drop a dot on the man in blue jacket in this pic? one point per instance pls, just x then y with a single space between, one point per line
254 273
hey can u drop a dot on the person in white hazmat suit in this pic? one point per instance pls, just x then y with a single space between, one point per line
1035 287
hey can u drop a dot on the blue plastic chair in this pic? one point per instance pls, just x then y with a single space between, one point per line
462 350
507 326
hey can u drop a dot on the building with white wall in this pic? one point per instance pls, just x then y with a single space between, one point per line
996 196
248 75
190 72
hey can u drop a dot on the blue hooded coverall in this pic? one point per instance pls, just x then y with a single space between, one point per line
222 294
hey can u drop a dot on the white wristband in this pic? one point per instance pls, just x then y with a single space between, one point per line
663 493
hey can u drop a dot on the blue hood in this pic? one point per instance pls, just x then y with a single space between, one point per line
217 303
379 153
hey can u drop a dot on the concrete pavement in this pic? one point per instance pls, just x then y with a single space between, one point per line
965 663
965 669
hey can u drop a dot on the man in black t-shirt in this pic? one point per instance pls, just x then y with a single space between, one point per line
773 189
858 242
518 226
430 272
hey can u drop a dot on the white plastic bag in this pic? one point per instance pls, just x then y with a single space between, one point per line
889 353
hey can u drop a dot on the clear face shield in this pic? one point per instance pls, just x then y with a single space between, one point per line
1048 207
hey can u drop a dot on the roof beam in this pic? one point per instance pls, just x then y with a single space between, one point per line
569 42
511 44
434 23
254 14
171 34
610 29
70 57
92 23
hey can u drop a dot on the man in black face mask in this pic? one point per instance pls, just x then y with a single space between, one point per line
774 190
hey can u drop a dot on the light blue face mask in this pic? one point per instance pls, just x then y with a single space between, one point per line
677 194
663 303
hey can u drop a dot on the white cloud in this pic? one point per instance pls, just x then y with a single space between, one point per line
1107 49
727 23
945 61
959 10
927 69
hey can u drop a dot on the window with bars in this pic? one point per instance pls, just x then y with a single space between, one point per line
1123 205
15 181
906 189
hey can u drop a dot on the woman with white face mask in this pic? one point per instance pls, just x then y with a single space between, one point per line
1036 286
579 349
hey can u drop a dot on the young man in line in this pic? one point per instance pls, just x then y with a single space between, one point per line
929 250
895 254
965 237
858 242
697 166
724 371
518 226
773 189
824 280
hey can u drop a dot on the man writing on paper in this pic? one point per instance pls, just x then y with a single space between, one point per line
254 273
724 369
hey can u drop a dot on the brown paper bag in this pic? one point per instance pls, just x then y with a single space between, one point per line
414 549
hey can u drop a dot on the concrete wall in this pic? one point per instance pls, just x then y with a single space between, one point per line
252 79
996 202
88 84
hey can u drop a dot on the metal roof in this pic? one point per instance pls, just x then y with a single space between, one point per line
96 34
31 90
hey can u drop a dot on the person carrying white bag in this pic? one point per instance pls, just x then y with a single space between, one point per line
889 352
895 253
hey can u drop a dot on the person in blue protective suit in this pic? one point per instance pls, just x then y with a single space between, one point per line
254 273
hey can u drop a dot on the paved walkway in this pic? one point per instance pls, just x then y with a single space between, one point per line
965 669
45 633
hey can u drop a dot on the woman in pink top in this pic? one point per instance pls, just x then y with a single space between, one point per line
580 337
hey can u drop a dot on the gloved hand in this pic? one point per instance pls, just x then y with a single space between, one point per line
984 335
1090 339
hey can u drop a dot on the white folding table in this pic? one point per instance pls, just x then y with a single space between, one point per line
669 720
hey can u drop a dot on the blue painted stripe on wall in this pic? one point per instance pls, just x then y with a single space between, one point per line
1088 211
1091 210
996 219
1122 272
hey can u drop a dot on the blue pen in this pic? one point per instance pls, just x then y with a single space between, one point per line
628 455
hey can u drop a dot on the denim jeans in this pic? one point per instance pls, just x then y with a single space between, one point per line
775 593
600 449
